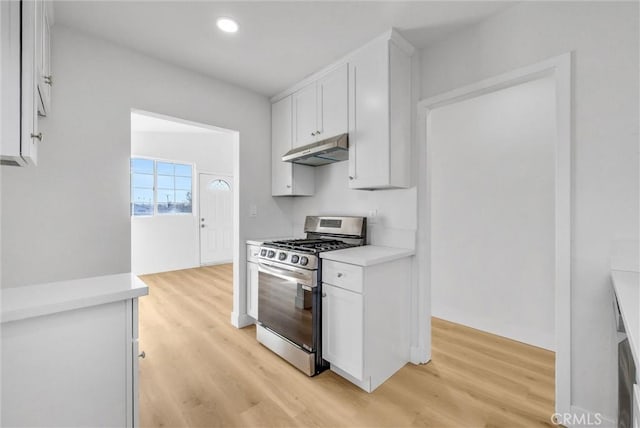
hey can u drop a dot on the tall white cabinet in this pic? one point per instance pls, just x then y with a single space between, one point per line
380 131
70 353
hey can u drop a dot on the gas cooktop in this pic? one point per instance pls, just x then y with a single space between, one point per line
311 246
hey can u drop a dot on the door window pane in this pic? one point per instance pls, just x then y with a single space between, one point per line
220 185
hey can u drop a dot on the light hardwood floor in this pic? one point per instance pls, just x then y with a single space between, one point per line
201 371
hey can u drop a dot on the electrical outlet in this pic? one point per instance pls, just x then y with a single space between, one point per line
372 218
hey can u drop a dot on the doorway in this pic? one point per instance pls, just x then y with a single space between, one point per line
216 218
558 70
168 156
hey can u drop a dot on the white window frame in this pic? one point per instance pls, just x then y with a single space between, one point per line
155 187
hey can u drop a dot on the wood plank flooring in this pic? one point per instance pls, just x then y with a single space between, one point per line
201 371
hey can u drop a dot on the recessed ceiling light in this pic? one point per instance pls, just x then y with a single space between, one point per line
227 25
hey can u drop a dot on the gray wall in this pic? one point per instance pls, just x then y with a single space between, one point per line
69 217
604 39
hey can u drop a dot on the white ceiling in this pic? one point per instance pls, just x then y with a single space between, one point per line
279 43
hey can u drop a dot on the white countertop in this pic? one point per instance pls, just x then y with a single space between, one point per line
44 299
367 255
626 285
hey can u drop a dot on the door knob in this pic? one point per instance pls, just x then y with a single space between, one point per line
202 219
339 274
142 355
202 225
324 294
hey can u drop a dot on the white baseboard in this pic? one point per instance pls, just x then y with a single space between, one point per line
241 320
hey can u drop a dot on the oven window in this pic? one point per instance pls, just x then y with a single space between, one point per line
286 308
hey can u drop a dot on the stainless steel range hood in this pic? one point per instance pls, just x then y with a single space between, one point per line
331 150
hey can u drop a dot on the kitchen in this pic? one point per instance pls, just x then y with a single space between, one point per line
97 83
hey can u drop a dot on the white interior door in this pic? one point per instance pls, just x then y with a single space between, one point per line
216 218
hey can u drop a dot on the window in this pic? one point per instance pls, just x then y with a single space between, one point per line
159 187
220 185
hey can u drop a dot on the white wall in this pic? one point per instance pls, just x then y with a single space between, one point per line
604 38
396 208
492 212
164 243
69 217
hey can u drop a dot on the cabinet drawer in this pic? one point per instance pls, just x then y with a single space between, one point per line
342 275
252 253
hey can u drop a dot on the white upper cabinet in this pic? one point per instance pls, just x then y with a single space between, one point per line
333 99
305 124
320 109
287 179
25 78
380 115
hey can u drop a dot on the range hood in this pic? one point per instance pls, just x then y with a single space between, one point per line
331 150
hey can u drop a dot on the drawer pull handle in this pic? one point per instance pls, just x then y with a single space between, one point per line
339 274
142 355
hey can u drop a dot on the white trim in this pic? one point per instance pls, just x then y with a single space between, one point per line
155 160
560 68
183 121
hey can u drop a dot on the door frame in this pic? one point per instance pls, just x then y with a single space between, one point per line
233 215
560 67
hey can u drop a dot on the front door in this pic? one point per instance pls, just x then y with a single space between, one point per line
216 218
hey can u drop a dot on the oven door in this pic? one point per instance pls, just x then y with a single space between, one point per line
286 302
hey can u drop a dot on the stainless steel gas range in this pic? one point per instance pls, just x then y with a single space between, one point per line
290 289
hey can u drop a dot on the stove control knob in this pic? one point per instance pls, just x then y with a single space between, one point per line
263 252
304 261
271 254
294 259
282 256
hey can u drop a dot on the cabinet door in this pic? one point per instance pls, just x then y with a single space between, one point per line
281 172
305 125
343 329
30 135
43 54
369 117
333 114
252 290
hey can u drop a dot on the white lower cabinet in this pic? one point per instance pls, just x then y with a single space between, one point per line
72 368
342 329
365 319
252 280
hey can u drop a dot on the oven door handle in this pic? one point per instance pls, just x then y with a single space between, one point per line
286 274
